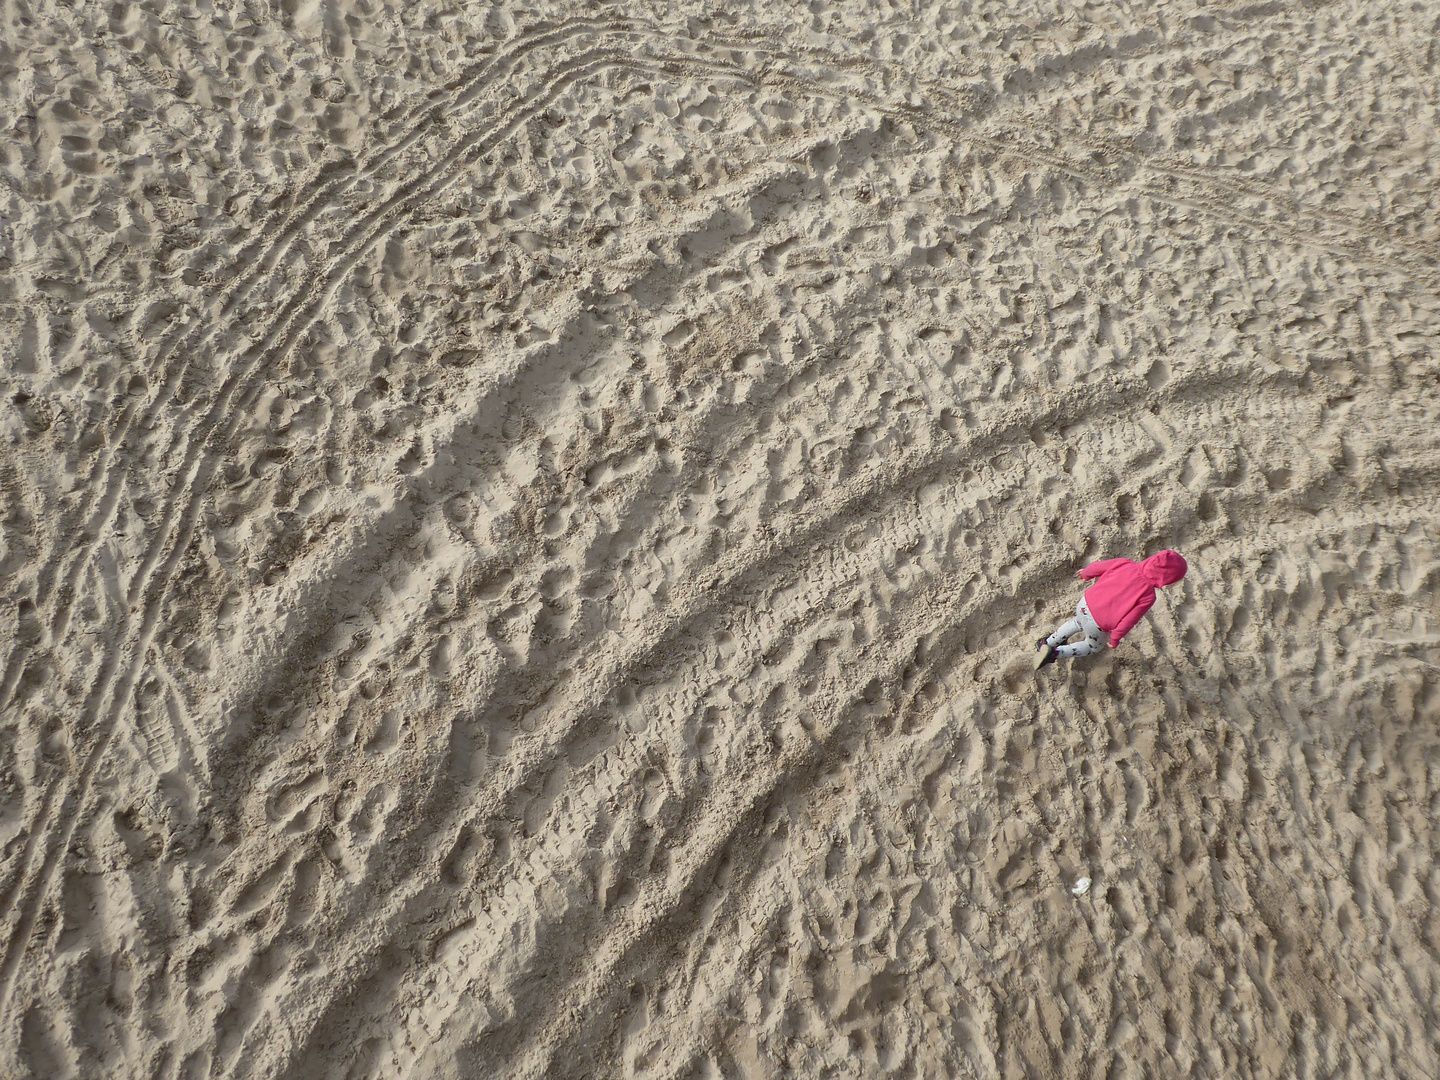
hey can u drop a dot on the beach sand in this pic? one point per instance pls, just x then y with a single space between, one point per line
523 530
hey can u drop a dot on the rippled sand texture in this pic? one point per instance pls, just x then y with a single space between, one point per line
523 532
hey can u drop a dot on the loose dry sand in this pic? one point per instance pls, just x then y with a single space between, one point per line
523 530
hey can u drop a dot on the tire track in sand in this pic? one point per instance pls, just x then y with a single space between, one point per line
251 267
156 560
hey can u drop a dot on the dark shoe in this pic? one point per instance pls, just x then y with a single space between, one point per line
1046 655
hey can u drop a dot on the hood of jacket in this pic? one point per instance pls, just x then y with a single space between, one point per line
1164 568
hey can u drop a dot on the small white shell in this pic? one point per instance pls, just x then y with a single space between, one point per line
1081 887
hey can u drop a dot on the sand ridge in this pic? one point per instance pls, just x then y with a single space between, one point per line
524 525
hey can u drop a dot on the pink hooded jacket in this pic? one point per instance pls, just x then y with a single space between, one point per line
1125 590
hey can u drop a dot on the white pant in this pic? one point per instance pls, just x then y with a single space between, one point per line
1083 623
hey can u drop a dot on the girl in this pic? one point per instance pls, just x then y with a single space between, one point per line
1114 604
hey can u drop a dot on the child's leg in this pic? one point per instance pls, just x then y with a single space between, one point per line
1080 648
1083 623
1094 636
1065 633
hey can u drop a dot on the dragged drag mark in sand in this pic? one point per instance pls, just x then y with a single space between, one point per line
695 609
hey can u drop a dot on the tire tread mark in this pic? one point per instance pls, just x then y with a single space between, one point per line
250 267
318 292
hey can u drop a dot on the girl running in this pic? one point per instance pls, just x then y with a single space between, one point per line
1118 600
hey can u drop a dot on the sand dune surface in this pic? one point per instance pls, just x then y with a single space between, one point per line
522 532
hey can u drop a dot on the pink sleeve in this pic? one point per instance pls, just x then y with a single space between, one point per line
1095 569
1133 616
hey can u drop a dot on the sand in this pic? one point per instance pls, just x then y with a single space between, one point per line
523 529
